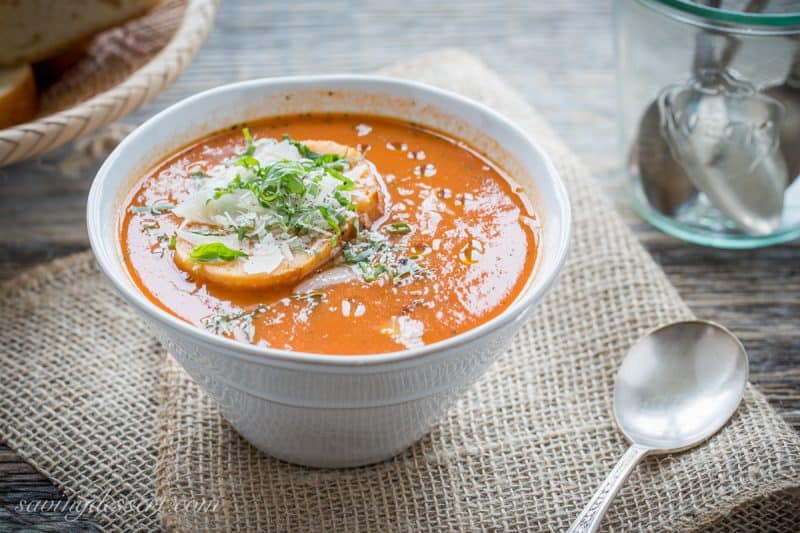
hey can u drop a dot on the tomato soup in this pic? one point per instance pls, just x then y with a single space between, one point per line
330 233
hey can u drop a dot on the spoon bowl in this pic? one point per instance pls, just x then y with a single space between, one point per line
677 386
788 94
714 134
664 182
725 134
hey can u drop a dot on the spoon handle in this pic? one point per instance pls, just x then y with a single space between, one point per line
589 519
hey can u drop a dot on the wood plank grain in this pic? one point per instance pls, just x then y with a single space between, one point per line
20 486
557 54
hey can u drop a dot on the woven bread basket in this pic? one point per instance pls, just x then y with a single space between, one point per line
123 68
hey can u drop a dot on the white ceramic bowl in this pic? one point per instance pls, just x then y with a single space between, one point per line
324 410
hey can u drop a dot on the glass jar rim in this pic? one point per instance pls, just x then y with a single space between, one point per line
743 18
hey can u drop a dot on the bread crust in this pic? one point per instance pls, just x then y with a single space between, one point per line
34 16
19 99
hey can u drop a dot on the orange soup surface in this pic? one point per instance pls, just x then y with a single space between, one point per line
454 245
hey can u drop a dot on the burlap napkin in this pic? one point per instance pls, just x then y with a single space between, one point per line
523 450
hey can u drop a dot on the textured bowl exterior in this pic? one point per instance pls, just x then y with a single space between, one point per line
322 410
328 418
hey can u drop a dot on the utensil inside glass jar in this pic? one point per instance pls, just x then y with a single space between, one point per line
726 137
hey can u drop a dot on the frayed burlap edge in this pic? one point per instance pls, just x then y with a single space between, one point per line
80 391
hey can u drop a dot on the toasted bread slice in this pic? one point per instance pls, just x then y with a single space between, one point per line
34 30
367 204
19 97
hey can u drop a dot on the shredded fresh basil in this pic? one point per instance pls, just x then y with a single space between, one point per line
376 257
333 219
155 209
314 295
213 252
302 149
251 147
223 324
285 187
399 228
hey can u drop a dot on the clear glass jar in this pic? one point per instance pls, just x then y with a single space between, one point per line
709 106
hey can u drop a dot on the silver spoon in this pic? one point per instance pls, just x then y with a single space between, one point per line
788 94
663 175
677 386
664 182
726 136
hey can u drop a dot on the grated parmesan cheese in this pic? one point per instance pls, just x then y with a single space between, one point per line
406 331
213 217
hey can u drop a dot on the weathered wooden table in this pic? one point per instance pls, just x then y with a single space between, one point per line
558 54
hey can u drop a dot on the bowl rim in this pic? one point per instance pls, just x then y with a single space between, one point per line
266 355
